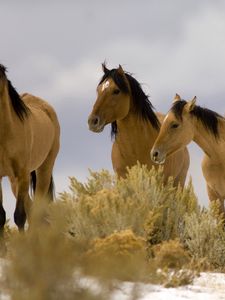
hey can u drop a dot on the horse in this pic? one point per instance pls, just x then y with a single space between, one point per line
134 125
185 122
29 135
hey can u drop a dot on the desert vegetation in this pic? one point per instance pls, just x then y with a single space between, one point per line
109 230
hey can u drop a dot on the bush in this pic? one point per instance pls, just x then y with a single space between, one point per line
171 255
121 255
139 202
43 264
205 237
134 228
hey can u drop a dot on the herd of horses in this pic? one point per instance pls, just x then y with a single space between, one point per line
30 134
152 138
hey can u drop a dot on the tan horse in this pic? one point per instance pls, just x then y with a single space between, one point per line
29 135
122 102
186 122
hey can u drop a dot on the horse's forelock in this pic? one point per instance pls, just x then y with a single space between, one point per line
177 108
118 78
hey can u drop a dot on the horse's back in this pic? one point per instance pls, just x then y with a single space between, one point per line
43 129
37 103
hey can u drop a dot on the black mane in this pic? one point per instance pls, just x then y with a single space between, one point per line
18 105
2 70
208 117
142 105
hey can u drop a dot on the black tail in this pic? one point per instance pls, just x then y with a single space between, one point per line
33 180
51 190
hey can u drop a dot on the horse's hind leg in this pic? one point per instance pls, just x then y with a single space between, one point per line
3 248
2 212
23 202
44 185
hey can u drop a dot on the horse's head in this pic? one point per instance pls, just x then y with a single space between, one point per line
176 130
113 99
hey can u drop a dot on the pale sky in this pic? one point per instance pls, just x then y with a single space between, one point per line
54 49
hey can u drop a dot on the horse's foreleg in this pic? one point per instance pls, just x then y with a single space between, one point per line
2 211
23 202
213 196
181 177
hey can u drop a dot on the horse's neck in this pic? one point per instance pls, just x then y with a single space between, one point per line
206 140
6 114
135 134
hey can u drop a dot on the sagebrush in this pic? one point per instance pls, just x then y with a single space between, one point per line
135 228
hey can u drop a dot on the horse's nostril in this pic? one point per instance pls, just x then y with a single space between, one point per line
95 121
155 154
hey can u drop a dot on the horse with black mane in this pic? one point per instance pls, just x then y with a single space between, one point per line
134 125
29 135
185 122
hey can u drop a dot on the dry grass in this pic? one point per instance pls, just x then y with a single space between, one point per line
121 255
43 262
129 229
205 238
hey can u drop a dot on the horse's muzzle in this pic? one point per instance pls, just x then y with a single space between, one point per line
157 156
95 123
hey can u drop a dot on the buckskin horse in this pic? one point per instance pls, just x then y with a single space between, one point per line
29 135
134 125
185 122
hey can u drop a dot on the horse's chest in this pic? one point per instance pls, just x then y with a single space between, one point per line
124 156
214 174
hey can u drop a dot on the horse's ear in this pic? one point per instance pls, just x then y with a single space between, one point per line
191 104
176 98
120 70
104 69
3 71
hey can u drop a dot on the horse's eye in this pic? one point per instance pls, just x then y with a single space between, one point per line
116 92
174 125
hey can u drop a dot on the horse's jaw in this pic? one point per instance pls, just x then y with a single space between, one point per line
159 162
97 129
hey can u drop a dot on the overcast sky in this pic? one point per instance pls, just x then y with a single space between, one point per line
54 49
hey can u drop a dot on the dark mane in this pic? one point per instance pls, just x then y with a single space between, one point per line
19 106
142 105
208 117
2 71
